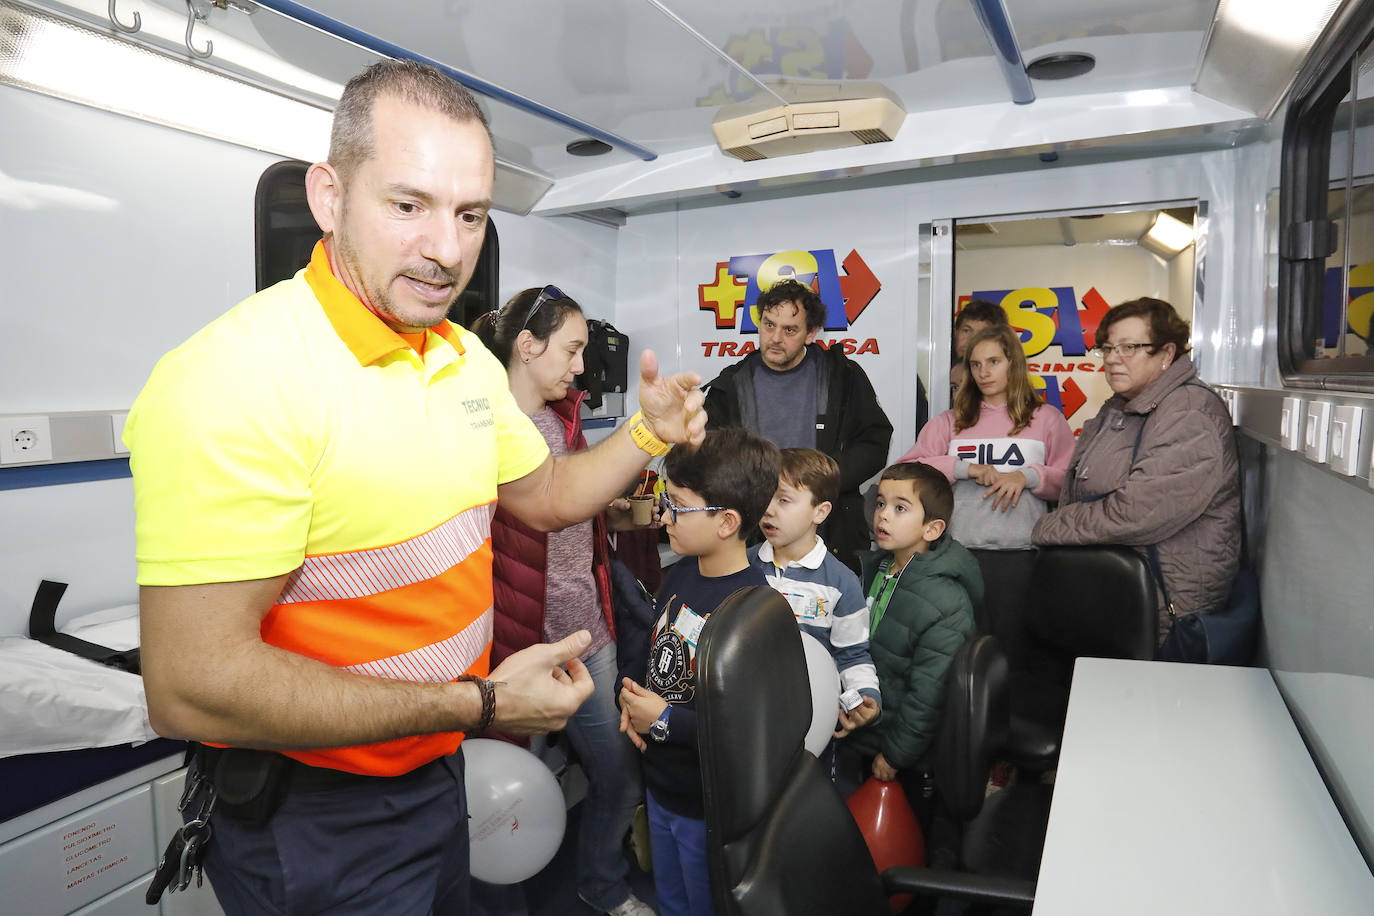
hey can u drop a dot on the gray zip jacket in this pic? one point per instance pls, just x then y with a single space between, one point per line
1181 492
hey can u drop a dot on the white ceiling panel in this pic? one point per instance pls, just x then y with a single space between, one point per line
619 65
654 74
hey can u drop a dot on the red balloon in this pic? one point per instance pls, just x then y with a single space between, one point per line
889 827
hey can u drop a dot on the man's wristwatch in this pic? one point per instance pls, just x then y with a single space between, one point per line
659 729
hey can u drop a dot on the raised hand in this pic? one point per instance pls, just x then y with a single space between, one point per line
673 406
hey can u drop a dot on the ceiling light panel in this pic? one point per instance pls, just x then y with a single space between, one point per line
1167 236
1255 48
49 55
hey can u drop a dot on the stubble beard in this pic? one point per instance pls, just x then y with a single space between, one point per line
380 299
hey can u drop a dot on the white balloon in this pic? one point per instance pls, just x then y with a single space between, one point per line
825 694
516 811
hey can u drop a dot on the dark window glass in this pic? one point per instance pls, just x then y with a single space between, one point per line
480 294
1326 217
286 232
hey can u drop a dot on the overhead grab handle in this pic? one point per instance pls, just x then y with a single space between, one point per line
119 26
195 12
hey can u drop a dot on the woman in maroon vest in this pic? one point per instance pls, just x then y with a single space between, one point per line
550 585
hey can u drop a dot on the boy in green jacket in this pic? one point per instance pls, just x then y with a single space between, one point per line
921 585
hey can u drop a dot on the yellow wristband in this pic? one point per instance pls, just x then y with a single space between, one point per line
644 437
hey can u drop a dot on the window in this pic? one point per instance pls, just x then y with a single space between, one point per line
1326 216
1056 275
287 233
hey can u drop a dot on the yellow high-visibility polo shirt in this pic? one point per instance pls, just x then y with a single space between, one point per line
299 434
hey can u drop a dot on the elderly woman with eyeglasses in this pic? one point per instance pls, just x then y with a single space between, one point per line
1157 465
547 586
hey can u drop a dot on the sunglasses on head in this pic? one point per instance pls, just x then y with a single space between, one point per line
545 294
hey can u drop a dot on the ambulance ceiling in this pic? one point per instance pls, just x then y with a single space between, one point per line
652 75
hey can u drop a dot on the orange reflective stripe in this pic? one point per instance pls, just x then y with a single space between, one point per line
438 662
361 573
355 631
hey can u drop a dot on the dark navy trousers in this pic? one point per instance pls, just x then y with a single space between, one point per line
393 846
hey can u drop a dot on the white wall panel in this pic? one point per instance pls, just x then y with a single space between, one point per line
648 293
1317 634
881 223
576 256
118 239
81 534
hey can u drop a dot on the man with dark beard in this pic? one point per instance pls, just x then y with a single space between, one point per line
798 394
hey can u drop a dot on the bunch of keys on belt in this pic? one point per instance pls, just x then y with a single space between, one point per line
181 861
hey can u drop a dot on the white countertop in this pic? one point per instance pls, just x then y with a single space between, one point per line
1187 789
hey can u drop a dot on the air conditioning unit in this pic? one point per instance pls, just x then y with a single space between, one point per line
805 127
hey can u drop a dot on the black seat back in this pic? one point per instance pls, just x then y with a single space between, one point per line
779 838
975 726
1094 601
1006 596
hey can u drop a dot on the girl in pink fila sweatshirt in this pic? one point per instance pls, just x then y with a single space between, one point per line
1004 450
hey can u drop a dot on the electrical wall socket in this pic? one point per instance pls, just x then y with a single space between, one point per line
1292 421
117 421
1347 427
1231 398
1317 436
25 440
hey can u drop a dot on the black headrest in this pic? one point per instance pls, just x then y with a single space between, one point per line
753 710
1094 601
975 726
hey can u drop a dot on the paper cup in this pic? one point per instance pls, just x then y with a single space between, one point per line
642 510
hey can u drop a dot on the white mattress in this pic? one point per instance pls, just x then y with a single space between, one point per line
51 700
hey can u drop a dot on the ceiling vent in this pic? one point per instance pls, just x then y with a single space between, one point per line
805 127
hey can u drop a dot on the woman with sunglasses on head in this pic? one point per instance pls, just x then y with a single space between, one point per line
1157 465
549 585
1001 446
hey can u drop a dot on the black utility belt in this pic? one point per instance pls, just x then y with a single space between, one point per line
247 786
251 784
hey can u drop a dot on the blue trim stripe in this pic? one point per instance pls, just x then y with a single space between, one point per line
51 475
385 48
997 24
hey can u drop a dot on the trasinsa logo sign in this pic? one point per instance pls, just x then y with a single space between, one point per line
734 293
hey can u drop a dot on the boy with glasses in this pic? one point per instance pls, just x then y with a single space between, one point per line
715 497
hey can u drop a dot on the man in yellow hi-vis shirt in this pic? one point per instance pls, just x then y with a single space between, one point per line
315 474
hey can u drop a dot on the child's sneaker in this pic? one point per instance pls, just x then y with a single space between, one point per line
633 906
639 841
1001 777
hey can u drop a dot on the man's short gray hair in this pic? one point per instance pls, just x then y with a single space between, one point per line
350 139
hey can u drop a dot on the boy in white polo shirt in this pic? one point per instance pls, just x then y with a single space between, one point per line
826 597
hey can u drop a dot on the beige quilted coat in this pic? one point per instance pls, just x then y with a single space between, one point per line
1180 492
